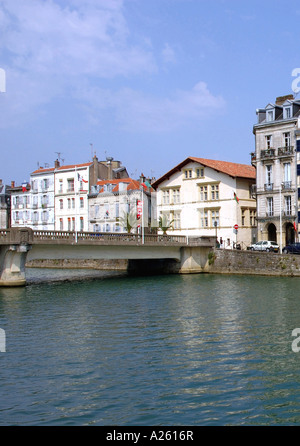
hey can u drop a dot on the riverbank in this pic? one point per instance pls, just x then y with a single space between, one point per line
222 261
219 261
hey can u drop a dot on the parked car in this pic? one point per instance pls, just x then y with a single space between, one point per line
265 245
292 248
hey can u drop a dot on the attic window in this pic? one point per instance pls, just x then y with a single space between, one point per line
287 112
270 115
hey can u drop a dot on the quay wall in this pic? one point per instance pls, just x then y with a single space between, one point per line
222 261
101 264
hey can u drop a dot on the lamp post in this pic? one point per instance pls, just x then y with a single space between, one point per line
280 219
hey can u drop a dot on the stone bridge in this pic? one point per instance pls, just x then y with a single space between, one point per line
18 245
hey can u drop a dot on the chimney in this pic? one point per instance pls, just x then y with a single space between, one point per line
56 164
281 99
0 182
109 160
12 184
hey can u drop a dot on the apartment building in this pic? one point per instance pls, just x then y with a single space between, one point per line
277 178
56 198
115 204
209 197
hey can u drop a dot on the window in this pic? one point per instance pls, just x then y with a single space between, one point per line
71 185
61 225
166 197
243 217
188 173
73 223
69 224
81 223
69 203
45 184
44 200
81 203
215 192
270 207
203 193
73 203
200 172
204 218
176 196
60 188
252 217
269 176
287 139
215 218
61 204
287 111
44 216
287 175
288 205
269 141
270 115
176 223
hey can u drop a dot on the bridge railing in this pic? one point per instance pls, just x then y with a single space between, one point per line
106 238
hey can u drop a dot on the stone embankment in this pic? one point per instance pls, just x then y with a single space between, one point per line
222 261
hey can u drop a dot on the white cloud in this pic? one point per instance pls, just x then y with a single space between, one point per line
62 48
135 111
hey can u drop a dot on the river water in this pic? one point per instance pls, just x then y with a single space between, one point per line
165 350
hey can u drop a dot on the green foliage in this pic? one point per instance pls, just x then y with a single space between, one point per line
129 220
164 224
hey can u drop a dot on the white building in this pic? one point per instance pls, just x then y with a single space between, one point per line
275 158
57 198
71 192
42 199
111 202
207 197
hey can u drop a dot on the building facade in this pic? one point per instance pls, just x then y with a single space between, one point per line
275 159
115 205
5 197
204 197
57 198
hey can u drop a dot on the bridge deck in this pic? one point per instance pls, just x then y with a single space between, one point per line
28 236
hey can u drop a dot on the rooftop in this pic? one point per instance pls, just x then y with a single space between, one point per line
234 170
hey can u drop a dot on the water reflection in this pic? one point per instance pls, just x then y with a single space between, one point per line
190 350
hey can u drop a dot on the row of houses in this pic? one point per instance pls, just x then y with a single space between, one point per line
238 203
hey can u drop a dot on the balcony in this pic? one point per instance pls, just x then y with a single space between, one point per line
253 157
286 185
269 187
267 154
286 151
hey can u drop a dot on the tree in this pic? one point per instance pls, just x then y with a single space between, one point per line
129 220
164 224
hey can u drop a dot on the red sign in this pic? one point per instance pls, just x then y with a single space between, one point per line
139 205
236 226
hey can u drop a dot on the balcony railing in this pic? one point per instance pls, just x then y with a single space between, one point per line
269 187
286 185
268 153
285 151
270 213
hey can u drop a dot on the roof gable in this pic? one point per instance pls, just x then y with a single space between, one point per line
234 170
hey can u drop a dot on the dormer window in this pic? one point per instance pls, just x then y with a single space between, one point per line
287 112
270 115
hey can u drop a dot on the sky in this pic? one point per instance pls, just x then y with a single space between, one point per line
147 82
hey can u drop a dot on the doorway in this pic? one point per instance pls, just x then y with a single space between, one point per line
272 233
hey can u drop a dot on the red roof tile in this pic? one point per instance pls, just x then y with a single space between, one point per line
235 170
